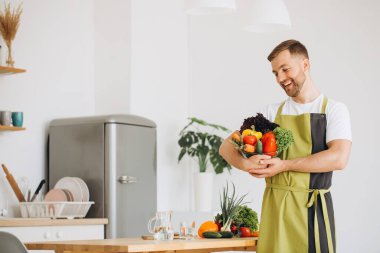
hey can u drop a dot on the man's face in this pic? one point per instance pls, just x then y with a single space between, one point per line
290 72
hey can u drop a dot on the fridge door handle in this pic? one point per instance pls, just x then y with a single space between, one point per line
127 179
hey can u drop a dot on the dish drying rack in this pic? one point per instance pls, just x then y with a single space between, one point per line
68 210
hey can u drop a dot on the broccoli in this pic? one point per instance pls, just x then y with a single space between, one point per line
247 218
284 138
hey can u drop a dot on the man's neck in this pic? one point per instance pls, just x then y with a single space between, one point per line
308 93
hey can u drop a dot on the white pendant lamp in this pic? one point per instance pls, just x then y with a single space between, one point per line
209 7
265 16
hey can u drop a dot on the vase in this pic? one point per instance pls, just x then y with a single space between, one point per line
10 62
203 191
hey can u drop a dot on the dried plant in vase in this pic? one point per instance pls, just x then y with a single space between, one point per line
9 23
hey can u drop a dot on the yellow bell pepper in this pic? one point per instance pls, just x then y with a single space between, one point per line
258 135
247 132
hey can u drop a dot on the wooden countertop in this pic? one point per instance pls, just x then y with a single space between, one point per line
139 245
32 222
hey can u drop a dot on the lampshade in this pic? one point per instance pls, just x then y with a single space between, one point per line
209 7
265 16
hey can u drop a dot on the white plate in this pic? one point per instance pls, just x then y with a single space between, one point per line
72 185
55 195
84 187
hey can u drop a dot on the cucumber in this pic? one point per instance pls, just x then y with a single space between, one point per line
211 235
226 234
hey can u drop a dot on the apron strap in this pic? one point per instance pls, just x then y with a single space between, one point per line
324 104
313 202
279 110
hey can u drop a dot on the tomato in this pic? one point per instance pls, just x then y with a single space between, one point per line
208 226
250 139
255 233
269 144
233 228
245 232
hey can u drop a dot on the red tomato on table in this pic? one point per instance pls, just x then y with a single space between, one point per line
233 228
245 232
255 233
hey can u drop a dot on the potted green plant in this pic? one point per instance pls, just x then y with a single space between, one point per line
200 140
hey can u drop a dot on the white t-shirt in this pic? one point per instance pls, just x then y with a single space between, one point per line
337 115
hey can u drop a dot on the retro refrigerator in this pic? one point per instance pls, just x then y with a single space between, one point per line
116 156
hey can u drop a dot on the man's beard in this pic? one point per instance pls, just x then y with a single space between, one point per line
297 86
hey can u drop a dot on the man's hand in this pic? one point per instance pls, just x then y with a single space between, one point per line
334 158
271 166
255 162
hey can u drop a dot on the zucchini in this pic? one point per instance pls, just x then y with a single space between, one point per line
226 234
210 234
259 147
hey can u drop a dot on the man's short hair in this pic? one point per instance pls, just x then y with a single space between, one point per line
294 46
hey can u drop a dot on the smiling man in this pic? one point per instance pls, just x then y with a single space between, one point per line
297 211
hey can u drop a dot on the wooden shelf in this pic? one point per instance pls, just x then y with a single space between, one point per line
32 222
10 70
11 128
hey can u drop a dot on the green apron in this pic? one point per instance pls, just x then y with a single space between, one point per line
297 213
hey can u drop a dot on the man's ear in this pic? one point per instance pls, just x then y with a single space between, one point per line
306 64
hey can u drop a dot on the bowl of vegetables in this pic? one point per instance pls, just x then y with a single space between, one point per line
258 135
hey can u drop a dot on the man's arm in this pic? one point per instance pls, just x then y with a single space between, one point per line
334 158
233 157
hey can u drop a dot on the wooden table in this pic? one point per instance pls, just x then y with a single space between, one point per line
139 245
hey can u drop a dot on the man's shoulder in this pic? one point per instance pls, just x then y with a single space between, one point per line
270 110
338 121
334 106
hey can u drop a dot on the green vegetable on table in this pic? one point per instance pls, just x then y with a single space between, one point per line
230 206
284 138
247 218
226 234
210 234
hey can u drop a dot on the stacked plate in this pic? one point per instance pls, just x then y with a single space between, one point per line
71 189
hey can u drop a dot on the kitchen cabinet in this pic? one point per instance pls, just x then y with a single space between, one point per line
44 230
10 70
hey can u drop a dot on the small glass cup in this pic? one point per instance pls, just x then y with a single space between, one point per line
187 230
161 227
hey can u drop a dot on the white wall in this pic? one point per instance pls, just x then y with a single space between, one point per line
55 45
159 83
230 67
112 56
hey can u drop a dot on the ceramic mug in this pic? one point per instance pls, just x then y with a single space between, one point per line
5 118
17 119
